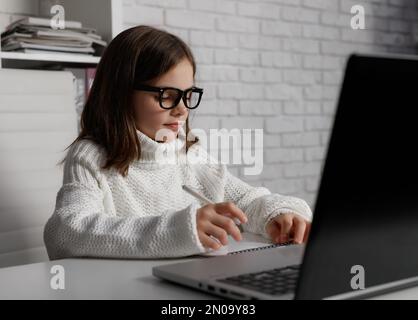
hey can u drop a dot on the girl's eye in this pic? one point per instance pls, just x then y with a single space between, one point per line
168 97
169 94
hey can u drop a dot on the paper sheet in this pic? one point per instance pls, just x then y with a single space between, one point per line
249 241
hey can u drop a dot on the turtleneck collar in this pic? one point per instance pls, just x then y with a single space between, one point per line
162 152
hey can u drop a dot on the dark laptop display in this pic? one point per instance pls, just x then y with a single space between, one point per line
367 208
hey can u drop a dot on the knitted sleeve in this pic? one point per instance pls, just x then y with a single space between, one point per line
260 204
80 227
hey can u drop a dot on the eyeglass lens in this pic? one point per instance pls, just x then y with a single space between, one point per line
171 97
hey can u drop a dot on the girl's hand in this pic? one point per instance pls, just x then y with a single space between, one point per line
288 227
215 220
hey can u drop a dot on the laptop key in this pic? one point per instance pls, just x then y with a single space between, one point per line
274 282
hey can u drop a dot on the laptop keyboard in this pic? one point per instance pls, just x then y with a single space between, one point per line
274 282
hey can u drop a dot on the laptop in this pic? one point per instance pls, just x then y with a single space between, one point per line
364 235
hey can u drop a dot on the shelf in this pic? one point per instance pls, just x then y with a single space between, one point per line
106 16
56 57
19 59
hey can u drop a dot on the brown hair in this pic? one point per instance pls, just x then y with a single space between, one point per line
136 55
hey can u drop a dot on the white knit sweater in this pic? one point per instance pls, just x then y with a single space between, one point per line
100 213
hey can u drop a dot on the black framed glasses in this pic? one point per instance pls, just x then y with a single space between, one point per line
170 97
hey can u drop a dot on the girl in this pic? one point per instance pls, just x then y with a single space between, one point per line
119 200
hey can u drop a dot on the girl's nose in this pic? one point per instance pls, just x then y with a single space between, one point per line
180 108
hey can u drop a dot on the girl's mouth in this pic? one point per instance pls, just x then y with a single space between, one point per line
174 126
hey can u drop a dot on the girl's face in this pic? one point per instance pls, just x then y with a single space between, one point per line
149 116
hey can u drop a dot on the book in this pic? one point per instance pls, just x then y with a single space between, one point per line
69 35
35 33
12 46
46 22
15 35
46 36
52 52
32 28
249 242
49 42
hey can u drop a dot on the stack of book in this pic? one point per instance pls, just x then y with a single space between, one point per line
35 35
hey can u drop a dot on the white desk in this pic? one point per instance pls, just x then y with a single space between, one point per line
92 279
107 279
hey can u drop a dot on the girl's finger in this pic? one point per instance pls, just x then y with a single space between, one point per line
286 223
209 242
228 225
228 208
218 233
273 230
298 230
307 231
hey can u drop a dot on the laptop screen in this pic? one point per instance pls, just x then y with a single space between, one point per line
366 212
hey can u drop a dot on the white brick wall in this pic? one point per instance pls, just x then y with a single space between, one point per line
278 64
